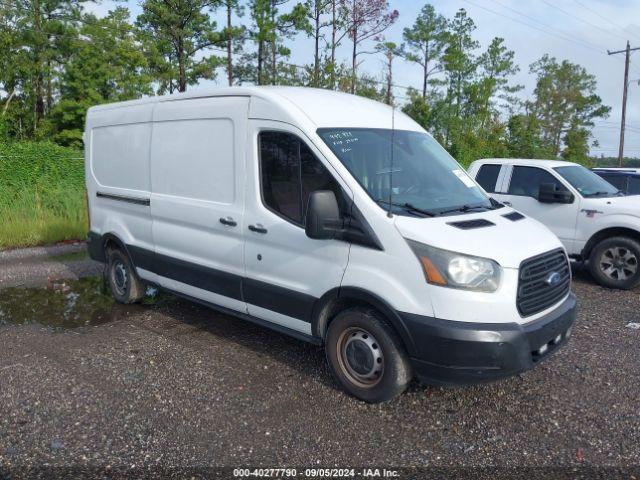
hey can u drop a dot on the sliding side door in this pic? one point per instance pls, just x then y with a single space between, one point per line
197 182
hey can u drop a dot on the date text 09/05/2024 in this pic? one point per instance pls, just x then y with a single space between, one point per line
316 473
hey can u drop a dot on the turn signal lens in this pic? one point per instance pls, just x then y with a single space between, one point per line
431 272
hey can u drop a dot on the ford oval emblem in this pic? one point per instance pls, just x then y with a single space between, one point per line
553 279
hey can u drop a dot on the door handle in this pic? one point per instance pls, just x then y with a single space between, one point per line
228 221
257 228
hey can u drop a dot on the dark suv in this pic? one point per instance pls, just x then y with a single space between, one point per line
626 180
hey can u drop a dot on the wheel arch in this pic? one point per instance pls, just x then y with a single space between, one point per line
112 240
342 298
608 233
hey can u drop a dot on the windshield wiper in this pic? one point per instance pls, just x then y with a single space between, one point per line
495 204
408 207
595 194
465 208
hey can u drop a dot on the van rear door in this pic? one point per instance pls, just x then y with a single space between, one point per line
197 200
286 270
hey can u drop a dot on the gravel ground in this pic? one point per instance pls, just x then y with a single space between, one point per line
39 266
173 388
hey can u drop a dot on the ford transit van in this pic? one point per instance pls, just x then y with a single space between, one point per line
331 218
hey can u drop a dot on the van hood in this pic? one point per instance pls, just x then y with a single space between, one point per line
507 242
628 205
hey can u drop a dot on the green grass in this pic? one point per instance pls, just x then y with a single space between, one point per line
41 194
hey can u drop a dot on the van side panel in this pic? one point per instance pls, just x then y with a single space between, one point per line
117 173
193 159
197 179
122 149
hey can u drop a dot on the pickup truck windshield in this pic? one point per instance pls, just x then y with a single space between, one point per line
586 182
424 179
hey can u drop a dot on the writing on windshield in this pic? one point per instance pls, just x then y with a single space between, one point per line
410 168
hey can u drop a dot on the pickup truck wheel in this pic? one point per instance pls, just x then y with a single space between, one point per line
366 357
615 263
122 278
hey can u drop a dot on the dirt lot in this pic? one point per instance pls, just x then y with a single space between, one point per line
171 388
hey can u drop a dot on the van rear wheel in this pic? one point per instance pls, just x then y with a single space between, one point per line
122 278
615 263
366 357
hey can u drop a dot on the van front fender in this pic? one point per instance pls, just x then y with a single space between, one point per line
340 298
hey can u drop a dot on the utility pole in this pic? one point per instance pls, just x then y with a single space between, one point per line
627 51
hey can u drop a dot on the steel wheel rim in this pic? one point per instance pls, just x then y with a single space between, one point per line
119 277
360 357
619 263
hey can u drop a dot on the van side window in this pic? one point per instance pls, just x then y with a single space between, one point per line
488 177
634 186
280 172
290 173
526 181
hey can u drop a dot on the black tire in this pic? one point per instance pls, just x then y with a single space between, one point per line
360 336
615 263
123 281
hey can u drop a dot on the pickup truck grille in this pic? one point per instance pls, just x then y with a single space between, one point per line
537 290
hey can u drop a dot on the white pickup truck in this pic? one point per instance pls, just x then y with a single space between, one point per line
594 221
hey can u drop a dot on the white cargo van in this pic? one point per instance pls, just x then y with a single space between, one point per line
593 219
331 218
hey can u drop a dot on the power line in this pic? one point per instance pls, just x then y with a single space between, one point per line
586 22
524 15
617 127
601 16
581 43
581 19
550 27
614 150
617 124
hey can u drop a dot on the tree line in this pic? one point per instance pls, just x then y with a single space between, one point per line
57 59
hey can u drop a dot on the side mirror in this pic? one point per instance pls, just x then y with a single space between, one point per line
547 193
323 216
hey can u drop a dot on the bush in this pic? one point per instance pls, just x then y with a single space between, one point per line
42 196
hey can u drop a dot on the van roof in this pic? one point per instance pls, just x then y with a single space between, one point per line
324 108
527 161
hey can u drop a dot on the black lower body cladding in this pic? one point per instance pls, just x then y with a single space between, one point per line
95 247
462 353
278 299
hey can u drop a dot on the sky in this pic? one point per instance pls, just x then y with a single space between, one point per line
580 31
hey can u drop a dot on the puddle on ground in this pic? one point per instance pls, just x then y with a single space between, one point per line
62 305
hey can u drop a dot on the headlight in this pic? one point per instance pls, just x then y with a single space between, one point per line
456 270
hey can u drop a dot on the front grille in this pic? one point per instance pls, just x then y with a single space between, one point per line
535 292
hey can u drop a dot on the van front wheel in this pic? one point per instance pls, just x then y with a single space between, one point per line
122 278
615 263
366 356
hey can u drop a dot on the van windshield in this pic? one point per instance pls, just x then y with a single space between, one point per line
424 179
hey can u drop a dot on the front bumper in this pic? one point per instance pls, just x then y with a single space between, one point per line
461 353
